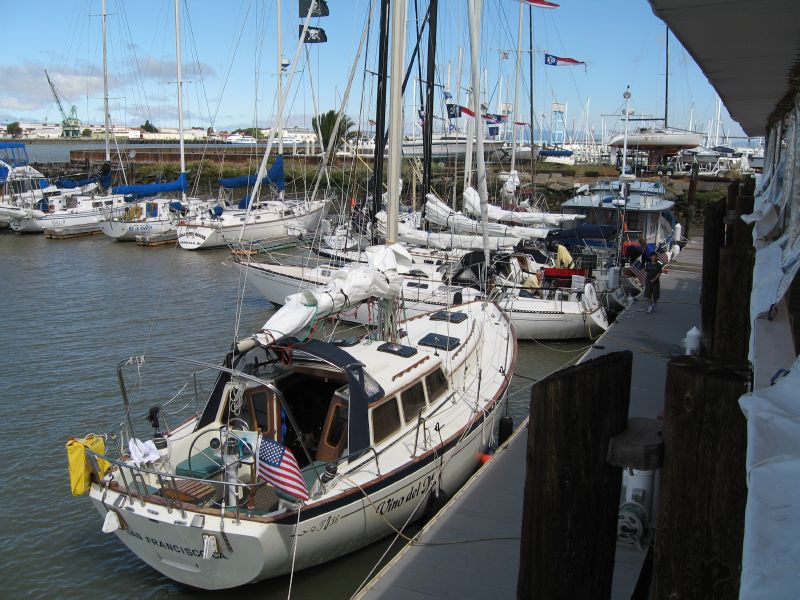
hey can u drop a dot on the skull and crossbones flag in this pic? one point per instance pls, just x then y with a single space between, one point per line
320 8
314 35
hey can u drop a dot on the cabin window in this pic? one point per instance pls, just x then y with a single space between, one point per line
437 384
413 400
338 425
71 202
97 205
385 420
416 284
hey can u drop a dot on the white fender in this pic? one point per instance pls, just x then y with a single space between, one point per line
589 299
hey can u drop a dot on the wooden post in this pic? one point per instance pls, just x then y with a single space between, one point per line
732 319
690 208
730 211
698 545
569 517
713 238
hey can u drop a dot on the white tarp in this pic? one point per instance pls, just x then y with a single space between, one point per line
472 206
772 517
438 213
381 279
443 241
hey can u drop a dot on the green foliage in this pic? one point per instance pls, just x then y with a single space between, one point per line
149 127
86 132
325 123
14 129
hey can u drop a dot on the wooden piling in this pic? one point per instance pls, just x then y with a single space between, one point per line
730 211
713 238
690 199
698 545
569 517
732 318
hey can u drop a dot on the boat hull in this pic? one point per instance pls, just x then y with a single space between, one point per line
207 233
533 318
128 231
261 550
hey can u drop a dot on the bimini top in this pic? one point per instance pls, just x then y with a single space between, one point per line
644 196
14 154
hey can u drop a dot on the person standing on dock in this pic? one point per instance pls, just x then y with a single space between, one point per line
652 285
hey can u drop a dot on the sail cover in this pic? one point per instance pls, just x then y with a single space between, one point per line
151 189
275 176
472 206
381 279
438 213
443 240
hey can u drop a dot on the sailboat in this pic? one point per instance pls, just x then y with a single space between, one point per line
155 218
306 450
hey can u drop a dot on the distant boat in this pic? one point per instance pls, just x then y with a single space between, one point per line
238 138
653 137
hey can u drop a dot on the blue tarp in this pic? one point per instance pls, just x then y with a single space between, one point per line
274 176
15 154
549 152
151 189
69 184
3 174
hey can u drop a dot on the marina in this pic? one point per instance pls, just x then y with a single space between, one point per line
384 323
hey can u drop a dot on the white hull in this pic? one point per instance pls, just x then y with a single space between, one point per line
648 138
123 231
261 550
440 148
373 492
89 221
533 318
262 225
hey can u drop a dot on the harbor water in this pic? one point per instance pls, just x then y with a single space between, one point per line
72 310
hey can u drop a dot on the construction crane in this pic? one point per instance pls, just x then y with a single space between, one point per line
70 125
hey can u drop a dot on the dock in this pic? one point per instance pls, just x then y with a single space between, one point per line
73 232
471 548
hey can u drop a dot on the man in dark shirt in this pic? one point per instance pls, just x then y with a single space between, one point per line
652 283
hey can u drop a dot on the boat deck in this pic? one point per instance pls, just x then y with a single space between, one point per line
470 548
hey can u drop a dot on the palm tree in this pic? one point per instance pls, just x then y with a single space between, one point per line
323 124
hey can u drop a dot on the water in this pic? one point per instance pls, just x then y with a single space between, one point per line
72 310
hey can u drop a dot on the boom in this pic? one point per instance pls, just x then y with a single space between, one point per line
70 125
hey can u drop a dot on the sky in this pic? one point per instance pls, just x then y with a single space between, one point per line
229 58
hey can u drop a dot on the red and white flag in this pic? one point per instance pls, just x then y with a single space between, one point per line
278 466
540 3
561 61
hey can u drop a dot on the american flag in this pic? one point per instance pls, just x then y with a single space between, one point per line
662 256
277 465
638 271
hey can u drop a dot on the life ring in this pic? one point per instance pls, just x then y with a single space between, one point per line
589 299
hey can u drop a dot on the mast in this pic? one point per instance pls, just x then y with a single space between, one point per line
530 72
279 120
666 81
380 115
427 126
516 89
180 89
475 7
107 117
395 119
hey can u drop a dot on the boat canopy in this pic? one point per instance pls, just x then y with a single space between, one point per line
362 387
274 176
14 153
151 189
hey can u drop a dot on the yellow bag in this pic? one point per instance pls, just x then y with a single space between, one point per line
80 466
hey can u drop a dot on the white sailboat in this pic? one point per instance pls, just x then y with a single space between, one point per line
156 218
308 450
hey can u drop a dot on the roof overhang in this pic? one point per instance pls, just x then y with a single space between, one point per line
748 49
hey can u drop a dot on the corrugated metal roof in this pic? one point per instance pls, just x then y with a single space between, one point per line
748 49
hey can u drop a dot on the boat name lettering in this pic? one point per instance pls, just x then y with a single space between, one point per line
195 234
324 524
393 502
172 547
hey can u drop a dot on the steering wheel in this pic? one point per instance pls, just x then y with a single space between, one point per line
243 425
219 463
